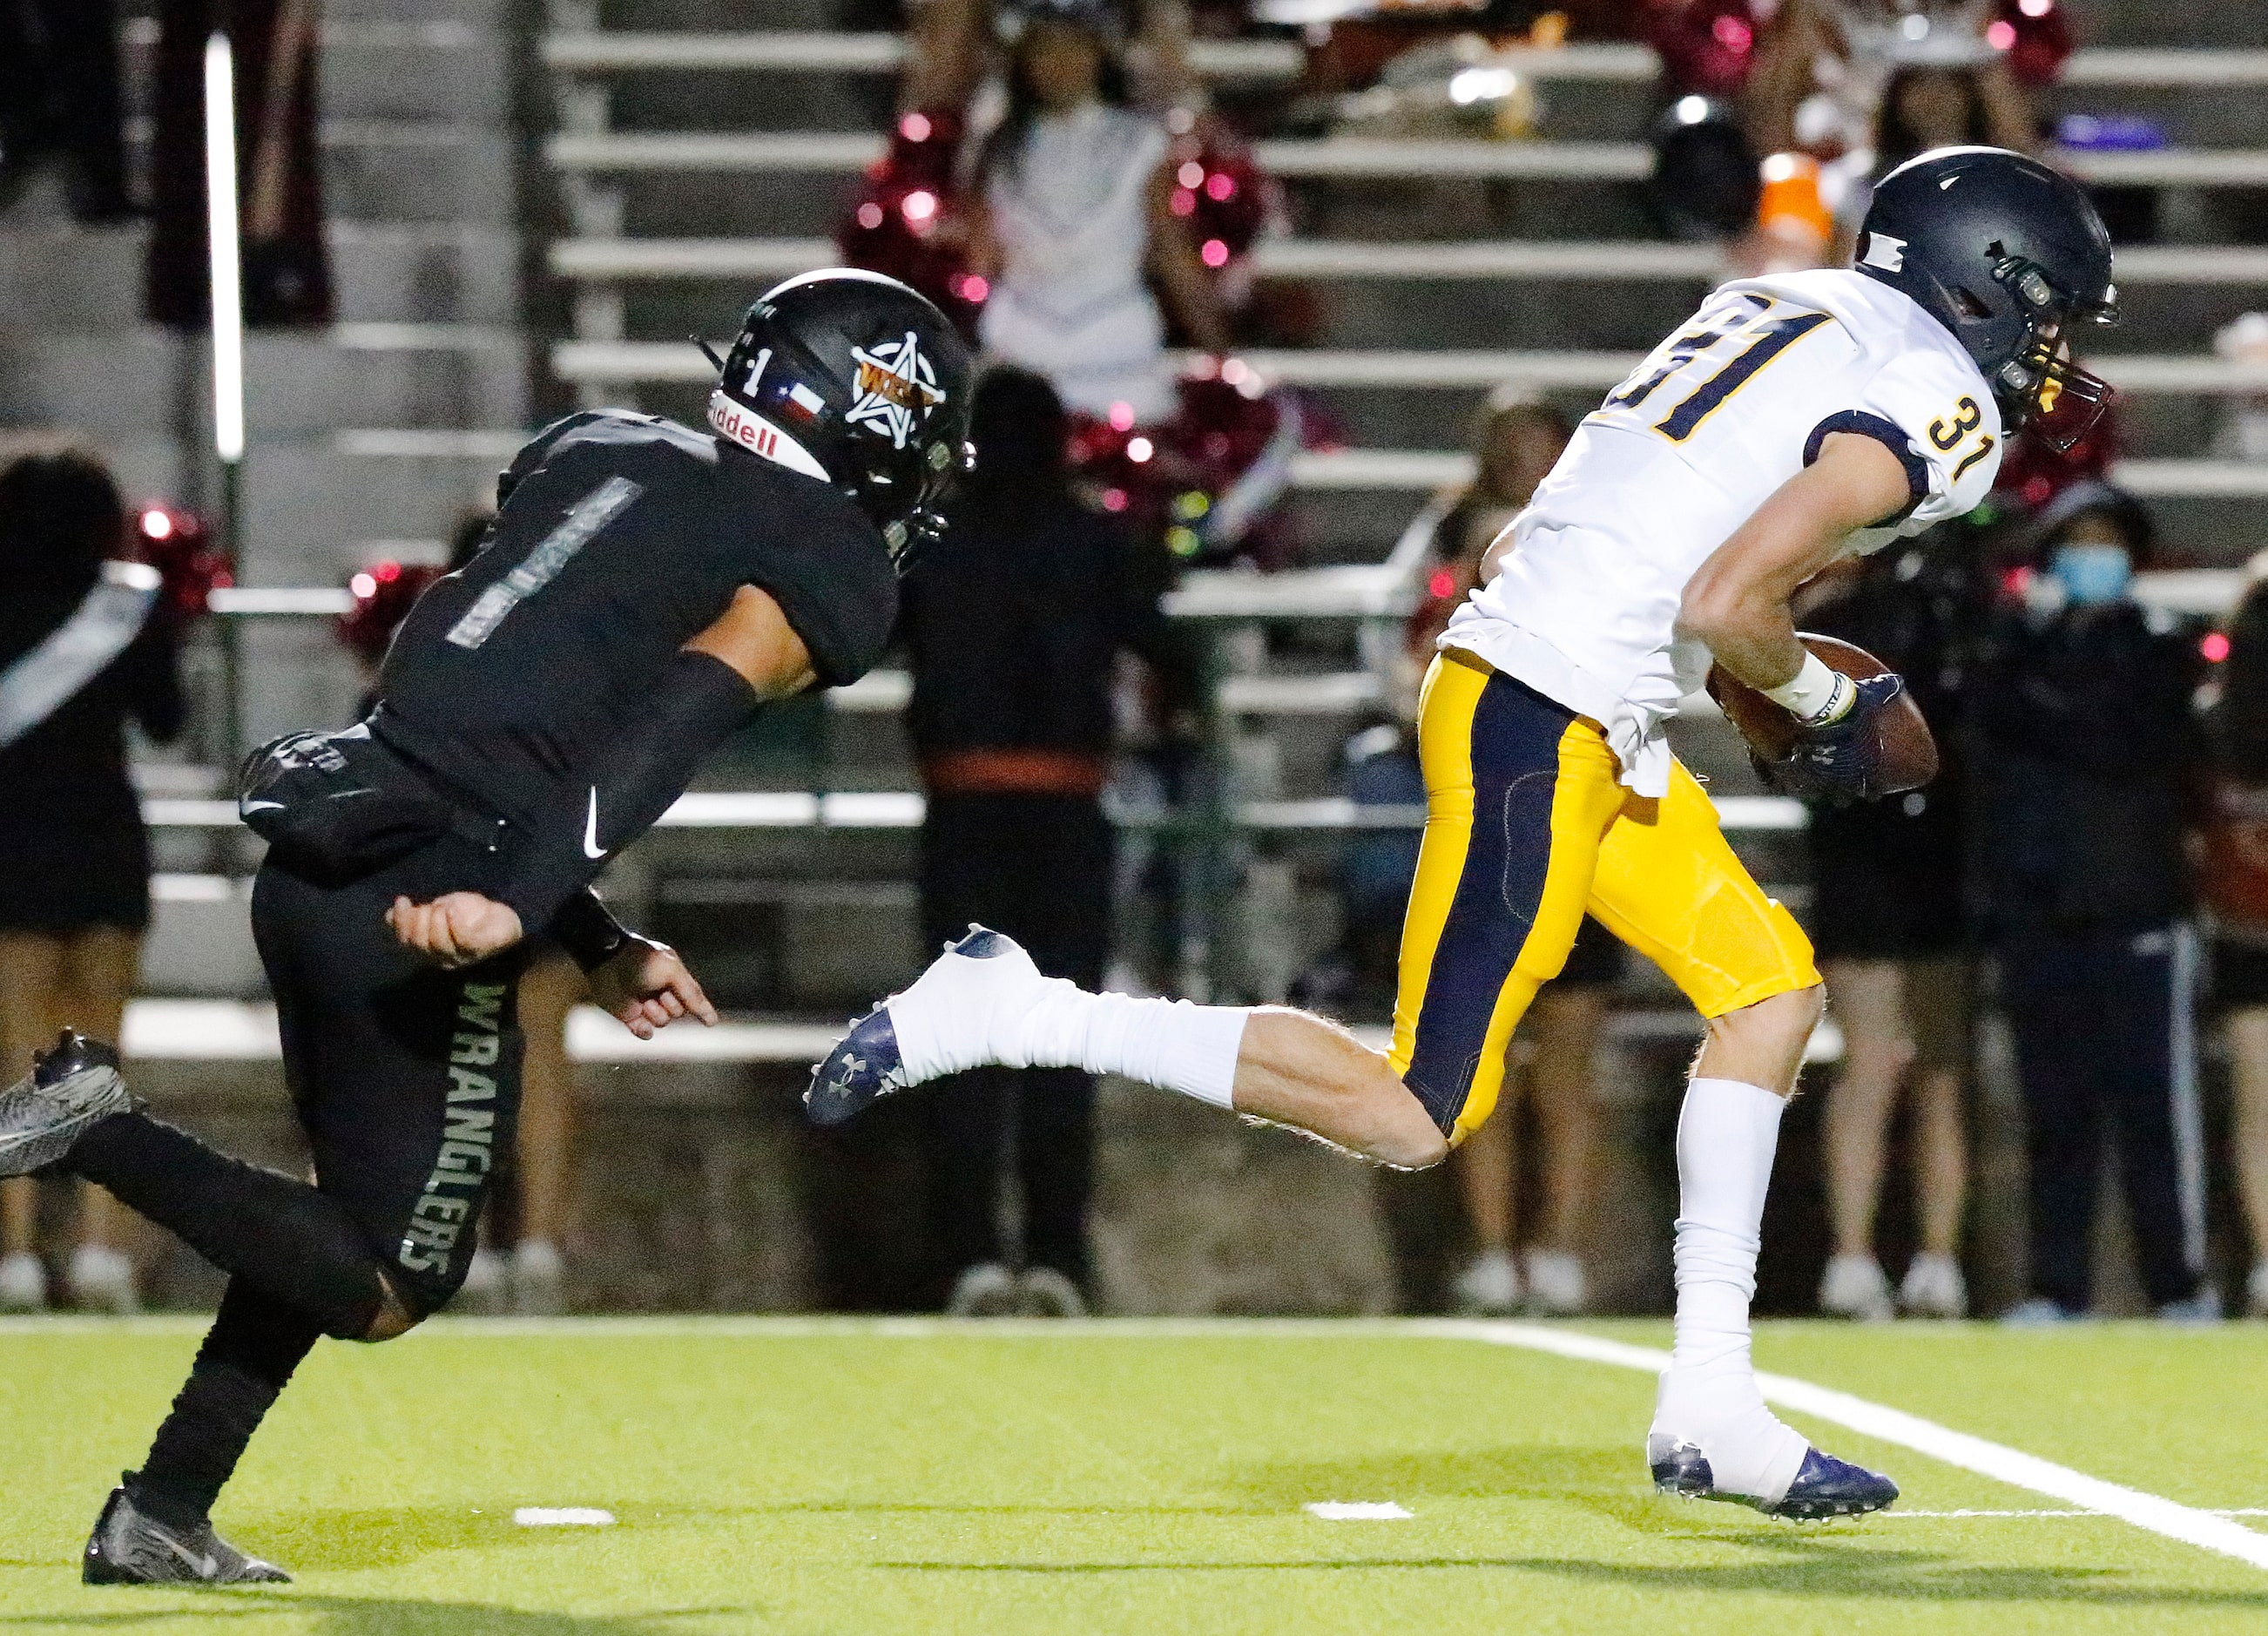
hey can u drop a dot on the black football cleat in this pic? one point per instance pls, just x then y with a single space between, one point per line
130 1547
73 1085
1824 1487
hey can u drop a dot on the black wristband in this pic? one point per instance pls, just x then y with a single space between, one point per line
588 931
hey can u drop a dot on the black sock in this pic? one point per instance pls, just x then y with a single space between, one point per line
248 1354
275 1233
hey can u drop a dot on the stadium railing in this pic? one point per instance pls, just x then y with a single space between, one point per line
1405 158
610 51
2140 373
617 260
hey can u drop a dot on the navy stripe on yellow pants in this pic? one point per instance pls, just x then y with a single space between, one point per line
1527 825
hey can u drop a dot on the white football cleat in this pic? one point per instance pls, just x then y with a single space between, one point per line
987 1290
959 1013
539 1278
2256 1291
488 1281
1044 1292
23 1283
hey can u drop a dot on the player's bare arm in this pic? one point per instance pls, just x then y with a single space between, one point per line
753 639
1738 603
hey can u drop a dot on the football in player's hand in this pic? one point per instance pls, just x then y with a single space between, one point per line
1905 751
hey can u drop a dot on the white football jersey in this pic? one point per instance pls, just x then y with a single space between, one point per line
1584 607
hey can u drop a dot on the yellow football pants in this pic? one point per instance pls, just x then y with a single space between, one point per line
1527 825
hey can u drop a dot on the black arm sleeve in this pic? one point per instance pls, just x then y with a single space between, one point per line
701 702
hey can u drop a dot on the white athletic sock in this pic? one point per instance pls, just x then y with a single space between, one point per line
1171 1044
1726 1133
968 1011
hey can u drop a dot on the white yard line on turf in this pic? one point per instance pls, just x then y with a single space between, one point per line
1901 1515
1996 1461
2215 1531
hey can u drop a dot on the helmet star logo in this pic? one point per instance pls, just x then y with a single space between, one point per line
896 389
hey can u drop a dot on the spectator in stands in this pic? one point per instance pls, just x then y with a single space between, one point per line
531 1277
2088 746
1890 928
1013 630
1941 105
86 647
2243 428
2236 889
1074 219
59 98
1863 85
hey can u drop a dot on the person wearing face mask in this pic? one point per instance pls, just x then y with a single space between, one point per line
2086 750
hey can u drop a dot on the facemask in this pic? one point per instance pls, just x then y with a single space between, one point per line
2091 575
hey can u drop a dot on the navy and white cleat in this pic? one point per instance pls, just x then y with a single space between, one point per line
73 1085
956 997
864 1067
1823 1487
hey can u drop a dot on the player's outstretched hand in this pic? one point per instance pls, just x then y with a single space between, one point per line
456 929
647 987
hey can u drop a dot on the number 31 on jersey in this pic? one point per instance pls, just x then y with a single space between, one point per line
1947 432
1689 376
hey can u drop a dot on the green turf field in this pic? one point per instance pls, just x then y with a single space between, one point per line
869 1479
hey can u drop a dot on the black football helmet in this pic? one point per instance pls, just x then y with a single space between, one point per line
2009 256
854 380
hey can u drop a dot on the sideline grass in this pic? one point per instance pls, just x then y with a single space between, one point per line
856 1479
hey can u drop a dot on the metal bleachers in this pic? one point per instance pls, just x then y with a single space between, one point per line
695 166
619 160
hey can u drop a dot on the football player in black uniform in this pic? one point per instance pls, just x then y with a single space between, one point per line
645 587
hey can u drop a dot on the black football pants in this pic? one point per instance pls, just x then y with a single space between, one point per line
2105 1048
406 1080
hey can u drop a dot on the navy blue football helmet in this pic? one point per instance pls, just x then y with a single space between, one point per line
2010 256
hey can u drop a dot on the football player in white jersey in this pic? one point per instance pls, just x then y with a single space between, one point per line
1792 420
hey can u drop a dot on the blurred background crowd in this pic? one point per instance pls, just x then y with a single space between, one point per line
1289 306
